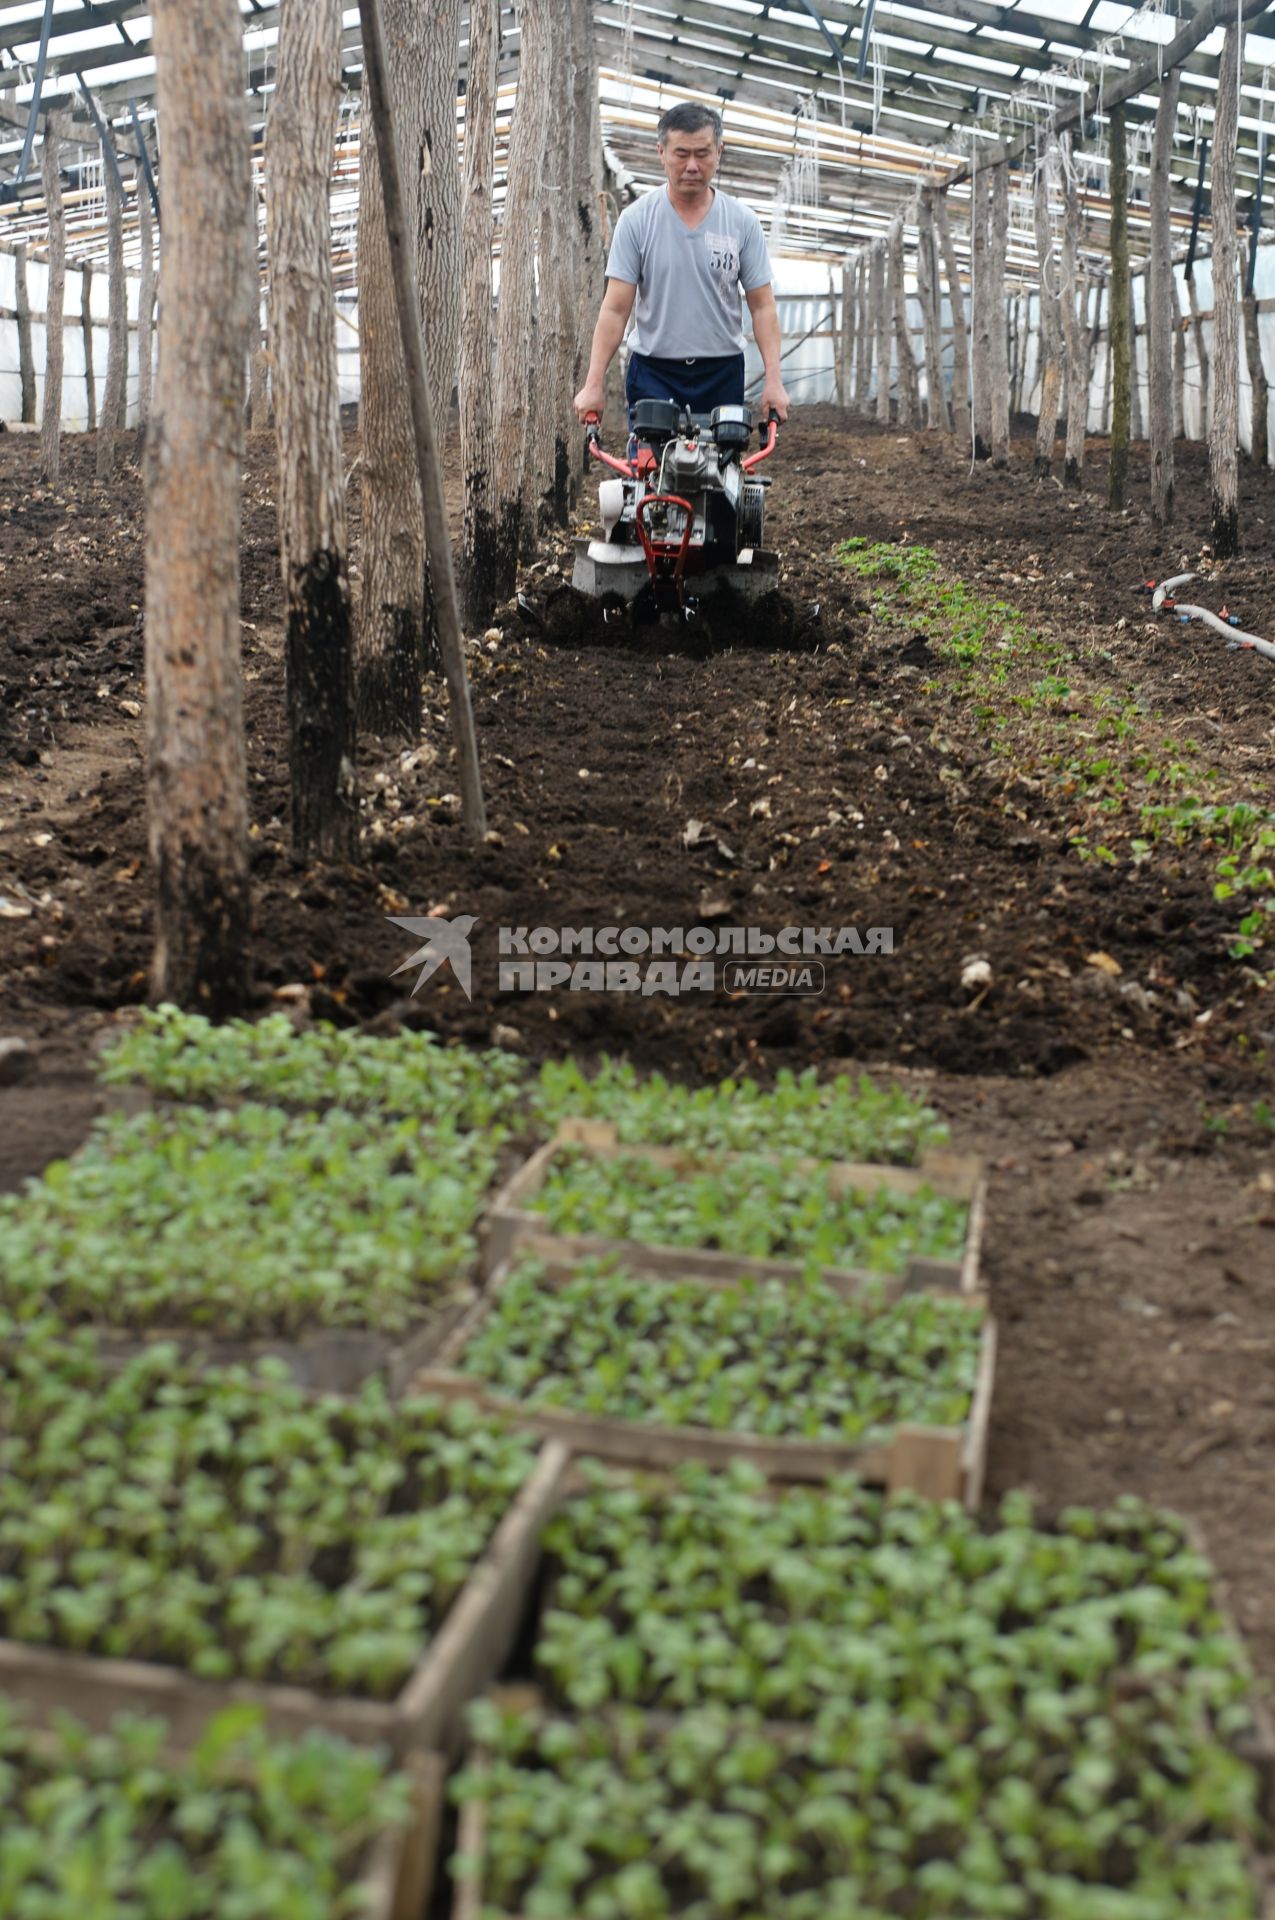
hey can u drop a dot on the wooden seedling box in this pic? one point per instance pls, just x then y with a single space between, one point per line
328 1360
463 1657
1256 1747
399 1881
940 1463
511 1222
325 1360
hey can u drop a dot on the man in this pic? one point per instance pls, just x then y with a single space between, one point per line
682 255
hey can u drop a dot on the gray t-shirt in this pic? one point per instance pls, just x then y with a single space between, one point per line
688 279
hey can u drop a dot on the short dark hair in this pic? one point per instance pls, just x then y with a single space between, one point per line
689 117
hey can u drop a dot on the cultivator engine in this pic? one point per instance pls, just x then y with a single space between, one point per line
682 519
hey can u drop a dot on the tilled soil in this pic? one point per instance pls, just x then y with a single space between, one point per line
1076 1014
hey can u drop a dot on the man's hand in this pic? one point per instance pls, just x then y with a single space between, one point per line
589 399
773 394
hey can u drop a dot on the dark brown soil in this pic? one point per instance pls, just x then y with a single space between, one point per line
1112 1064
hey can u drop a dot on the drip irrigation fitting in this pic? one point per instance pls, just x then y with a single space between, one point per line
1227 624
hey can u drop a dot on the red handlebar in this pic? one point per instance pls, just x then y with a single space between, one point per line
592 423
630 468
767 446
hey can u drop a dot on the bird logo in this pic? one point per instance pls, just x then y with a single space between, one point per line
444 940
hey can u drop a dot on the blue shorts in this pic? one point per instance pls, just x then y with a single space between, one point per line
700 384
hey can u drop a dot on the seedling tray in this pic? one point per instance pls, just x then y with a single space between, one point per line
399 1882
510 1221
328 1360
462 1658
940 1463
1257 1748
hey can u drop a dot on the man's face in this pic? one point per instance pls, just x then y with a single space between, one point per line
690 160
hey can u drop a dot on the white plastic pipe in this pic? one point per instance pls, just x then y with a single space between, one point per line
1210 619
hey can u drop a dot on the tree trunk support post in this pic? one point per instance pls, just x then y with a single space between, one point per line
26 356
313 541
197 801
55 302
1160 306
1118 314
477 423
960 331
427 451
1224 433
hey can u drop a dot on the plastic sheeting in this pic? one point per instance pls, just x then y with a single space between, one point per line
74 390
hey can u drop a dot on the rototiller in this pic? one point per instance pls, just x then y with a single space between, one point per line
683 517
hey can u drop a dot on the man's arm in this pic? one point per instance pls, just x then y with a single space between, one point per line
761 304
617 305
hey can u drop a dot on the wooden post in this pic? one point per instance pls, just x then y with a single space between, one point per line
313 541
881 331
1260 392
1017 354
86 326
478 546
587 167
1108 413
908 384
430 54
1203 363
388 635
433 72
1136 429
979 253
516 303
960 331
892 337
55 302
1118 313
197 785
1179 359
26 357
1225 432
1160 305
1075 325
998 363
863 350
429 463
1050 317
937 411
116 392
145 307
844 347
1257 381
558 300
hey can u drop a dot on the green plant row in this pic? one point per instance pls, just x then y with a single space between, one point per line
228 1525
751 1206
98 1827
840 1119
248 1221
786 1361
957 621
718 1817
706 1591
183 1056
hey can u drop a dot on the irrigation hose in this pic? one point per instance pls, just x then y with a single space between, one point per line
1210 619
